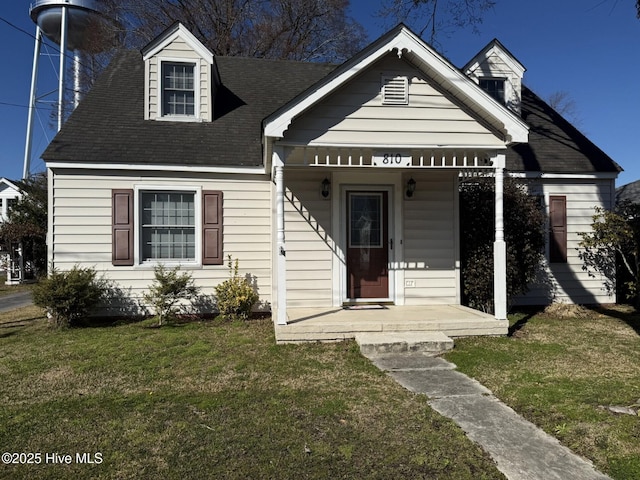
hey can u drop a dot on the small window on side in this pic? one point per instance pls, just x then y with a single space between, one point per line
494 87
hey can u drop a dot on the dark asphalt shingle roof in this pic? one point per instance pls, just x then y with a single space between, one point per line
108 125
629 192
555 146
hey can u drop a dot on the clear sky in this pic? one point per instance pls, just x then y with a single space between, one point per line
589 48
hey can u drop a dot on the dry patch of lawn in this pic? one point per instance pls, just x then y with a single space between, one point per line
560 372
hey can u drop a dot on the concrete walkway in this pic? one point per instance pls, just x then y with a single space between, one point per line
520 449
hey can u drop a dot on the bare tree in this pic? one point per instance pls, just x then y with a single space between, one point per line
310 30
566 106
433 18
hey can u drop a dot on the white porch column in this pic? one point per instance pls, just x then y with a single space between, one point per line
281 250
499 246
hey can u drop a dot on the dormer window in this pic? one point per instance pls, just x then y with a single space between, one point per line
178 91
494 87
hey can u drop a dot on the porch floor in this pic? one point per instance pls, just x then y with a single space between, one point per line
336 323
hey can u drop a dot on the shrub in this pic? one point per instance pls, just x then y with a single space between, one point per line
235 296
70 295
169 289
524 231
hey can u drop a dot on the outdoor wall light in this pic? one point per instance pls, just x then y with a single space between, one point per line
326 188
411 187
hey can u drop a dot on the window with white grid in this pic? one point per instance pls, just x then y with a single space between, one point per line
168 226
178 91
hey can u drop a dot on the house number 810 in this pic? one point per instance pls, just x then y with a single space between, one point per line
392 158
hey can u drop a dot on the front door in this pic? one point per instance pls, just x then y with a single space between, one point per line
367 245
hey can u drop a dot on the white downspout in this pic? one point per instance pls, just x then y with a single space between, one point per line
281 250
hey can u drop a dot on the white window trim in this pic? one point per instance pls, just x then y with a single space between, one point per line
197 197
196 90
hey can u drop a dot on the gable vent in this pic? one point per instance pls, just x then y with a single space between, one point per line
395 90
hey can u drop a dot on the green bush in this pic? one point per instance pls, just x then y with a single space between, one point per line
70 295
235 296
524 232
168 290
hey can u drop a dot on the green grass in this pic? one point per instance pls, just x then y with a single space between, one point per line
8 289
207 400
559 373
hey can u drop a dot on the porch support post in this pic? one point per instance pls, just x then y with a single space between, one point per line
281 250
499 246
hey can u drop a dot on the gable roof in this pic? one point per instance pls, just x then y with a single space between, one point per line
8 185
497 48
172 33
406 43
108 127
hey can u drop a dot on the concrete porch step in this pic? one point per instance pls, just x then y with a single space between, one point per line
396 342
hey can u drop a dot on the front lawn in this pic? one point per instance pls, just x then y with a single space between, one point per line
9 289
205 400
561 374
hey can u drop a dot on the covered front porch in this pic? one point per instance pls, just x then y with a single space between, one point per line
342 323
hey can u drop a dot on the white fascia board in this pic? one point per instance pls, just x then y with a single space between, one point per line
180 31
403 41
564 176
156 168
495 46
516 128
10 184
426 146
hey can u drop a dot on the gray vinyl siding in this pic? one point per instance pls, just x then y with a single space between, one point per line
430 245
568 282
355 115
81 231
308 239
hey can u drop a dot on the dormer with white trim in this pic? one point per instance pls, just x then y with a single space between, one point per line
180 77
498 73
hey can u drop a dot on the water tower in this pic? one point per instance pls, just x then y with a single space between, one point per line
75 25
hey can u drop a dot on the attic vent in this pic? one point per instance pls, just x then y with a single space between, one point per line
395 90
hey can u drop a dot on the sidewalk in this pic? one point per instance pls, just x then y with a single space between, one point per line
520 449
12 301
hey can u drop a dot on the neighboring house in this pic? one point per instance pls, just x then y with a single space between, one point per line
331 185
9 193
629 192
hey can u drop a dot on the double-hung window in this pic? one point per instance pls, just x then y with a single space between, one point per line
178 89
153 225
168 226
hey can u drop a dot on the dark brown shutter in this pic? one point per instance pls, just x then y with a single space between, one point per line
212 228
122 227
558 229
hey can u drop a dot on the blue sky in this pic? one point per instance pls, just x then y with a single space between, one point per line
589 48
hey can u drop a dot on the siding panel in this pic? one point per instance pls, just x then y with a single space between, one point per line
82 230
